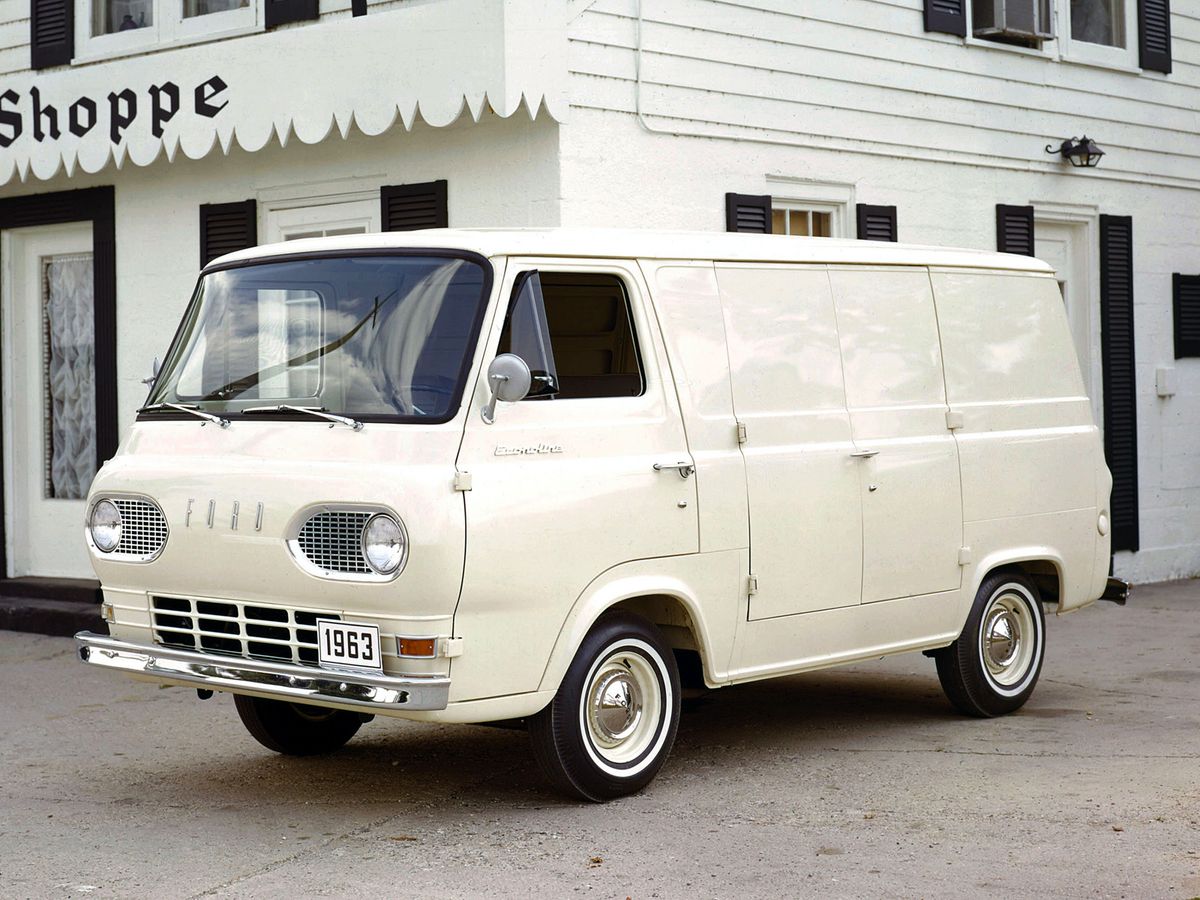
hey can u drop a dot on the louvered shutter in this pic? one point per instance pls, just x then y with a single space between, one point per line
946 16
1187 315
1120 383
1014 229
226 227
876 223
51 33
407 207
748 212
1154 34
281 12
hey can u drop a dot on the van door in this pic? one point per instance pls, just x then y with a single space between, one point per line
906 455
801 475
564 484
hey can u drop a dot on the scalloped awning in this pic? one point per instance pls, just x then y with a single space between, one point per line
430 61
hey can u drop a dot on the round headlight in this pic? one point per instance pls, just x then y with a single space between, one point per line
384 544
105 526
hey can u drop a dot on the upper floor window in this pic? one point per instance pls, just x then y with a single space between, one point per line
801 221
116 27
1098 22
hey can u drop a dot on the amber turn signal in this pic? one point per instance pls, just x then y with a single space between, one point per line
408 646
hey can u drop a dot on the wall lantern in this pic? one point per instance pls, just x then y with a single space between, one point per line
1083 153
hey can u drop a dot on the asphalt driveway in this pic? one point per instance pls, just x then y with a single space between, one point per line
854 782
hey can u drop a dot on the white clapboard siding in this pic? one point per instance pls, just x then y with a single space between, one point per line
14 36
866 72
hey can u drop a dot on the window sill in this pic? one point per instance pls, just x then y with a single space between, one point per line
91 54
1036 52
1112 66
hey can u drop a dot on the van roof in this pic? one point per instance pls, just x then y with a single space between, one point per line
634 244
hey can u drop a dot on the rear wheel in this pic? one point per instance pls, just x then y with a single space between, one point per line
994 665
296 729
612 723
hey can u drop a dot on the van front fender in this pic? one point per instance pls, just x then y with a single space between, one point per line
710 614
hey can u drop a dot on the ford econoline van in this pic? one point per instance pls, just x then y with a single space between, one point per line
480 476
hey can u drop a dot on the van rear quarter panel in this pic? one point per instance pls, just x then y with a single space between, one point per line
1028 447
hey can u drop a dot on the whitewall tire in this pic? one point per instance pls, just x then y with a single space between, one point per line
612 724
994 665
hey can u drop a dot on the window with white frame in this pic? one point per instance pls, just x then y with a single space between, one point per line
1100 31
321 217
800 221
116 27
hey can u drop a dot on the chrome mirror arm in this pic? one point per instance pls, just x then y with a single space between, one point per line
489 412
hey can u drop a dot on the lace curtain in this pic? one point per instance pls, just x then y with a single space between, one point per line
68 365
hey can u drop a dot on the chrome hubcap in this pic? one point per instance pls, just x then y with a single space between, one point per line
615 706
1002 638
622 707
1007 639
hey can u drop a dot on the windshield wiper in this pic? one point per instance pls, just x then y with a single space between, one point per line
319 411
190 410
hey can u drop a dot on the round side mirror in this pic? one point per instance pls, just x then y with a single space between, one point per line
510 377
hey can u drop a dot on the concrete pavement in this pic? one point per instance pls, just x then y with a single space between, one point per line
848 783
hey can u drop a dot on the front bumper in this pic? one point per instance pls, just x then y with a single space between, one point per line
283 681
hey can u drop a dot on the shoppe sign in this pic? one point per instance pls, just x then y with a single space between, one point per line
430 62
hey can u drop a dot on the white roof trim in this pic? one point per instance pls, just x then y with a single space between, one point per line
602 243
433 62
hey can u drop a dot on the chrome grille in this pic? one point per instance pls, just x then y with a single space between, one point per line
238 629
143 528
332 541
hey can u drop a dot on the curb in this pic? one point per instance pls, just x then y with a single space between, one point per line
40 615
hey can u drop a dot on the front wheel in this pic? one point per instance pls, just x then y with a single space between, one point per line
612 723
994 665
296 729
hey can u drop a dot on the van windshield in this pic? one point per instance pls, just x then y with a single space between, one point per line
375 337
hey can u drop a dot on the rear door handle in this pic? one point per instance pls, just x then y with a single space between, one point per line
864 454
683 468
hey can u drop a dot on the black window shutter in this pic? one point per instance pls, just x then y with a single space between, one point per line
1120 383
51 33
946 16
280 12
876 223
1187 315
1154 34
1014 229
407 207
748 212
226 227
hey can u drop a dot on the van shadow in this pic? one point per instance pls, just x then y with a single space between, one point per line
446 766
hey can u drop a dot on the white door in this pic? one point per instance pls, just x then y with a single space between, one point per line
49 398
906 456
565 488
1065 247
803 482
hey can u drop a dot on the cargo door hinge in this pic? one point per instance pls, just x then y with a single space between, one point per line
964 556
450 646
752 585
954 419
741 433
462 481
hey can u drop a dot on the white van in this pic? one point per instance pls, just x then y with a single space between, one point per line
472 476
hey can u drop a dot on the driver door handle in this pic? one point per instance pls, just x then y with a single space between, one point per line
864 454
683 468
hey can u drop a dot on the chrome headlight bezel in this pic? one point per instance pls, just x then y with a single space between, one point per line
385 551
105 541
321 565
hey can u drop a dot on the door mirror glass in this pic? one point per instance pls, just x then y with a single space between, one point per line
510 380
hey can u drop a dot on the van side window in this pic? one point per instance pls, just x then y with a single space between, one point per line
593 350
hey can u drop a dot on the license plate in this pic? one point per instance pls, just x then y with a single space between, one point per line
347 644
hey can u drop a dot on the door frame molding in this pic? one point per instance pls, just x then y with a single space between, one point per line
1086 222
97 206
